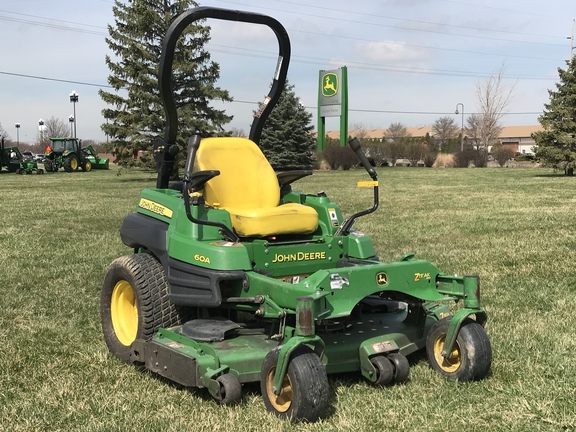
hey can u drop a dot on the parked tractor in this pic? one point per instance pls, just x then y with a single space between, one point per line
69 154
14 161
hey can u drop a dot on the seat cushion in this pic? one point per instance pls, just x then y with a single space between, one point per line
290 218
248 189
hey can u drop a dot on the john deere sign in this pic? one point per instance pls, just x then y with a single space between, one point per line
333 102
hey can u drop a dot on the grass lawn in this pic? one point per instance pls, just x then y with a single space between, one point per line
514 227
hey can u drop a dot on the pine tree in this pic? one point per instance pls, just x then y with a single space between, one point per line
557 142
287 139
135 115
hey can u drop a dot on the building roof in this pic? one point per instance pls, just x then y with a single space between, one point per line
507 132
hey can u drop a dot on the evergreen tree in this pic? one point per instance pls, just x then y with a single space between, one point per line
287 139
135 115
557 142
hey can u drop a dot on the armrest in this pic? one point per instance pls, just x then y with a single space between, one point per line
287 177
199 178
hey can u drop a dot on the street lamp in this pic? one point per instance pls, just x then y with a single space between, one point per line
462 130
17 133
71 120
74 99
41 130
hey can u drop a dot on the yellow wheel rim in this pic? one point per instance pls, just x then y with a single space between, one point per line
281 402
88 166
447 364
124 312
74 164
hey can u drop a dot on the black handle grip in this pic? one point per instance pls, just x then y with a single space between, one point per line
355 145
193 144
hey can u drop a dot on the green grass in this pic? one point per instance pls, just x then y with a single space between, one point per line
514 227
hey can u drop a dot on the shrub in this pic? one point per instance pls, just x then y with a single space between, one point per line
429 158
502 154
444 160
340 157
463 158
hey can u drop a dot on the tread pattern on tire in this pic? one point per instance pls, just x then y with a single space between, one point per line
148 280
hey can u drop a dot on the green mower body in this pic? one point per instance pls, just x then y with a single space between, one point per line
204 304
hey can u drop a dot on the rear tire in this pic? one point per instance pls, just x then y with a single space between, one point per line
471 355
134 303
305 390
71 163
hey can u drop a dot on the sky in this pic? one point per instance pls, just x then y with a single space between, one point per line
408 61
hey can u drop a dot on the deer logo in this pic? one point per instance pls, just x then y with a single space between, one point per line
381 278
329 84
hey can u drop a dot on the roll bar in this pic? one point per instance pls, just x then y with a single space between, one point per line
165 76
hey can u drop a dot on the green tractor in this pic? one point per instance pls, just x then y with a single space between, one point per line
236 278
69 154
12 158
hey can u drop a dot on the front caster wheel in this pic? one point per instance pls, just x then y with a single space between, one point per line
401 367
304 392
384 370
471 355
230 391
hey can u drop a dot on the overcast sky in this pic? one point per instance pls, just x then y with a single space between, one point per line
409 61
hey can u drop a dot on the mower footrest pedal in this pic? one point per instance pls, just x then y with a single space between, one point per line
208 330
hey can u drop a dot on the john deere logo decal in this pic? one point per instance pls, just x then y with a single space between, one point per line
329 84
381 278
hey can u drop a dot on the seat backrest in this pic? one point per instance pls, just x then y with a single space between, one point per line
246 180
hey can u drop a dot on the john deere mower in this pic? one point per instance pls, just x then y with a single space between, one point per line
235 278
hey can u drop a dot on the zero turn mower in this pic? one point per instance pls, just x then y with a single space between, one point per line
236 278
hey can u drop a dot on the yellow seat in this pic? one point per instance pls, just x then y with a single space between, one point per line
248 189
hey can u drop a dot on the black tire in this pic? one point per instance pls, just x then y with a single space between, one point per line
401 367
230 389
305 389
384 370
134 303
40 171
71 163
87 166
471 355
48 166
19 171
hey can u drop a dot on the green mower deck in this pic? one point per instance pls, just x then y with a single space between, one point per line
236 278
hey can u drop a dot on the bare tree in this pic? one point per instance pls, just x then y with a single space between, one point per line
52 128
235 132
3 134
444 129
493 99
396 131
472 128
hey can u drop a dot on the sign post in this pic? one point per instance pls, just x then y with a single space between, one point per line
333 102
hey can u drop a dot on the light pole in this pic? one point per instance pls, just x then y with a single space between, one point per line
74 99
71 120
17 125
462 130
41 130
